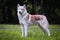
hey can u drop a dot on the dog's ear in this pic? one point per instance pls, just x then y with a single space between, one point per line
18 5
24 5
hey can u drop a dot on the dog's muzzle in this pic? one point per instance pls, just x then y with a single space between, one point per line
20 12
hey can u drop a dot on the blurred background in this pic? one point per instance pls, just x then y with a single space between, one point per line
49 8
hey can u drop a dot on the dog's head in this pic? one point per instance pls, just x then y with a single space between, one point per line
21 9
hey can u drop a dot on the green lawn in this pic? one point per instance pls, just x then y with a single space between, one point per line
13 32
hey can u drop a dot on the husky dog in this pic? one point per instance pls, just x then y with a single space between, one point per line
25 19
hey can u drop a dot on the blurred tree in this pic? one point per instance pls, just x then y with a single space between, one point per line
50 8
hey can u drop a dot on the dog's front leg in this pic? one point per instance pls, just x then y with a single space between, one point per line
25 30
22 29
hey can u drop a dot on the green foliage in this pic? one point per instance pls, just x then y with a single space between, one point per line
13 32
58 12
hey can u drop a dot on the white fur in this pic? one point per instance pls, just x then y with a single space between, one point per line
24 22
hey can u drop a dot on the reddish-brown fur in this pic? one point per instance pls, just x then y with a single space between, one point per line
35 17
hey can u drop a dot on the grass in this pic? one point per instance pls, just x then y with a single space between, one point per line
13 32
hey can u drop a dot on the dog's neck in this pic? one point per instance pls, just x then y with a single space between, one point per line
25 12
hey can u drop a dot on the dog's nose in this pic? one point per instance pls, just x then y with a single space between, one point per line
19 12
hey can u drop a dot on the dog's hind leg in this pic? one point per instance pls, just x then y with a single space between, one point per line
45 29
44 25
42 28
